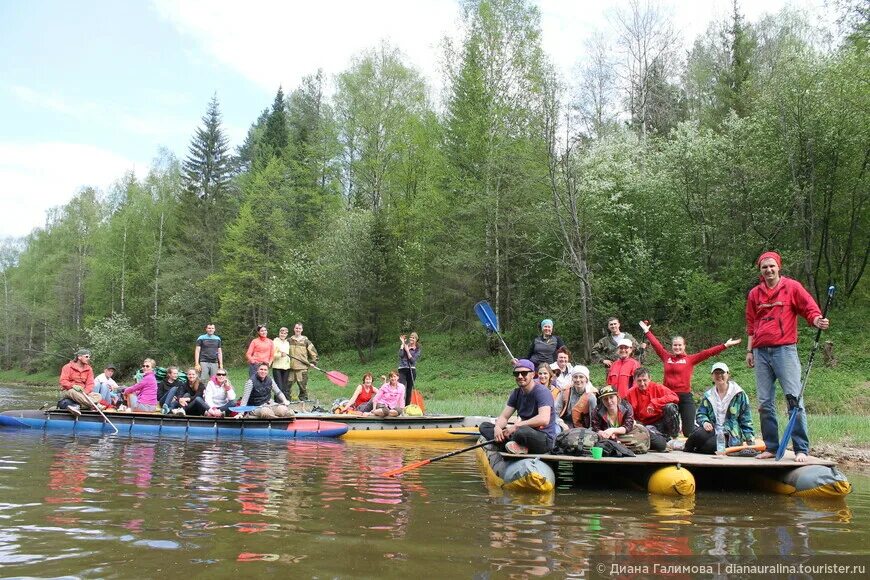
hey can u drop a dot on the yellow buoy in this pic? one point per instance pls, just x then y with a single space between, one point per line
672 480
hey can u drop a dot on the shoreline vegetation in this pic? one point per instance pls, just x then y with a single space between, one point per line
478 383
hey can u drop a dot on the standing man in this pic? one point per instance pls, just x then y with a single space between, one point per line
772 309
535 432
77 383
605 350
302 355
209 355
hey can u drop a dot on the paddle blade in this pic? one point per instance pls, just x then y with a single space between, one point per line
786 435
409 467
486 315
337 378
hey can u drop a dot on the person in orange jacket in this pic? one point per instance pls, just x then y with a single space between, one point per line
654 405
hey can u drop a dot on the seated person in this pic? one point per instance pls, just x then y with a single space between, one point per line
614 419
535 432
389 401
143 395
725 405
654 405
219 394
361 400
167 389
574 405
77 383
620 373
190 397
106 386
546 378
260 388
562 368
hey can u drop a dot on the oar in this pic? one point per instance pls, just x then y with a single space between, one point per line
738 448
794 403
335 377
490 321
416 464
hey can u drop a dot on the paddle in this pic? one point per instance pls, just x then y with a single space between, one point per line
738 448
794 403
490 321
416 464
335 377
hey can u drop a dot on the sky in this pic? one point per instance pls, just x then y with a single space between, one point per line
93 89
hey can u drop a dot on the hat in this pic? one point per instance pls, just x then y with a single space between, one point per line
766 255
546 321
82 352
111 366
580 370
625 342
524 363
719 366
606 391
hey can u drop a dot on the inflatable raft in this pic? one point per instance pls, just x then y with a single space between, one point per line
422 428
152 424
528 474
670 474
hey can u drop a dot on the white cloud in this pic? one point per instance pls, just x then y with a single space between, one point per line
277 43
37 176
274 43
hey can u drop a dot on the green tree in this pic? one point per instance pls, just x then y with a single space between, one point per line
207 166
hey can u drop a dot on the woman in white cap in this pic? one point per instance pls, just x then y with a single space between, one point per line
575 404
726 406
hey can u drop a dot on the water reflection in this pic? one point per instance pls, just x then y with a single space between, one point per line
86 506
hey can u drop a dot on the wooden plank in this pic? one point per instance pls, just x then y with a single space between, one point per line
687 460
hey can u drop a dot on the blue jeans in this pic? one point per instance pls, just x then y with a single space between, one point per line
168 398
771 363
104 391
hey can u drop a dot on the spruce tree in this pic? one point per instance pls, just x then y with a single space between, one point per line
207 167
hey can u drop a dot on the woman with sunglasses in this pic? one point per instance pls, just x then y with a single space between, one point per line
142 396
219 394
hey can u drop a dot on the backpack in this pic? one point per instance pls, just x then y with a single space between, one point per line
577 441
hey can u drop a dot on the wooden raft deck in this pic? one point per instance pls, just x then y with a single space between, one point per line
684 459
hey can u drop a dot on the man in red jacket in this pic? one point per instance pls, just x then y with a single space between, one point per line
77 383
654 405
772 309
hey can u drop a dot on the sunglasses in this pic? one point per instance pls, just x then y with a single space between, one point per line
522 373
221 374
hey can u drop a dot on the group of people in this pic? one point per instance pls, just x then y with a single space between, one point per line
551 394
395 394
205 389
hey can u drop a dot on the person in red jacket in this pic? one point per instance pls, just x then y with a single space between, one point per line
77 383
620 374
654 405
772 309
679 367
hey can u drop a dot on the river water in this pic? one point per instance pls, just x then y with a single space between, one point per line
111 506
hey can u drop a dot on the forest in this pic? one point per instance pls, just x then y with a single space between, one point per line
366 204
